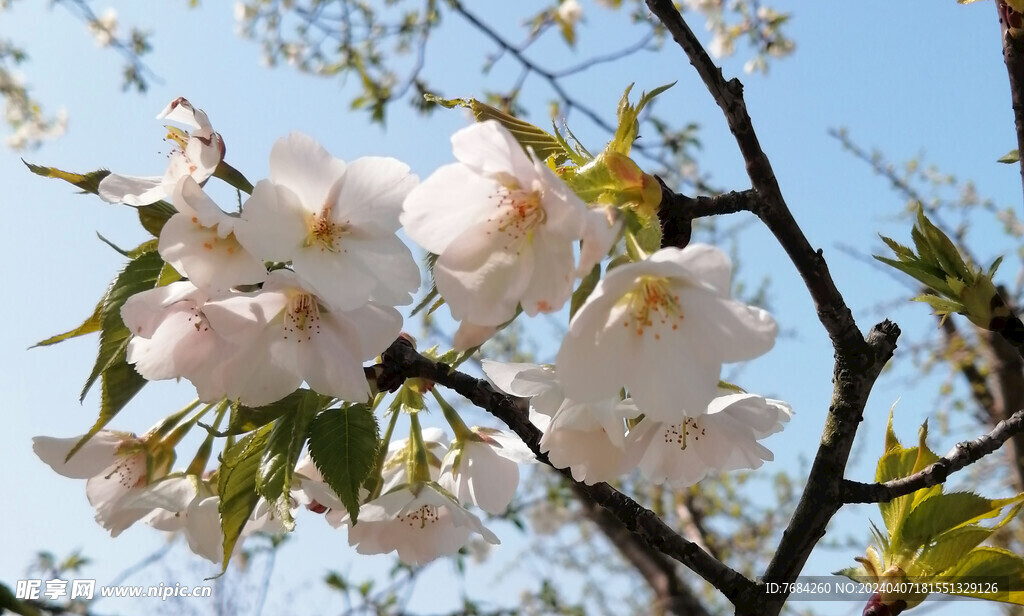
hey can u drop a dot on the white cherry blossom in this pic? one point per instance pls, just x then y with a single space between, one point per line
115 464
420 521
723 439
335 222
504 226
288 336
199 242
662 327
590 439
197 154
484 472
172 338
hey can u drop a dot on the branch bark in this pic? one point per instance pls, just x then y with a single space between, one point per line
1013 57
401 361
963 454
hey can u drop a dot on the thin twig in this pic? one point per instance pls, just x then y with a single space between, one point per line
963 454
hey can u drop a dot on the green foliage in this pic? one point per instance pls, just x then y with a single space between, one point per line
582 292
247 418
628 119
543 144
1011 157
236 486
933 533
120 381
343 443
285 443
954 285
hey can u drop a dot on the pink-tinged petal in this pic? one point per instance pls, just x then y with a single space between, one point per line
133 190
589 455
483 274
98 454
551 283
338 278
203 530
155 358
377 327
705 263
388 261
593 355
519 379
444 205
565 213
470 335
171 493
304 166
106 490
507 445
181 111
329 360
731 330
241 318
213 263
203 153
373 190
143 312
189 198
490 149
274 222
601 230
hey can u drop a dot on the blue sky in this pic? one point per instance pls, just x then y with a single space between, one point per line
902 78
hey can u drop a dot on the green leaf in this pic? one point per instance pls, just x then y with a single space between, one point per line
88 182
8 601
285 443
628 115
90 325
233 177
120 381
944 512
950 549
994 565
582 292
343 443
236 487
248 418
153 216
544 145
1013 156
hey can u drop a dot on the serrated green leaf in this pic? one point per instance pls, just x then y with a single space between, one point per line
951 548
343 444
233 177
943 512
120 381
1013 156
543 144
89 326
167 275
891 440
155 215
628 114
994 565
88 182
901 251
236 487
582 292
285 443
248 418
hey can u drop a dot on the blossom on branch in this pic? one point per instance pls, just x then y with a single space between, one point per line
420 521
335 222
196 154
288 335
662 327
504 226
484 472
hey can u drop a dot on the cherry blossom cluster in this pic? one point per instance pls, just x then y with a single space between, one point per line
300 286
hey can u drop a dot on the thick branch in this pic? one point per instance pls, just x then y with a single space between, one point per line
1013 56
963 454
672 596
401 361
677 212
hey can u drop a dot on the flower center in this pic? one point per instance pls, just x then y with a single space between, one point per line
676 434
650 301
303 317
129 471
427 514
324 232
520 212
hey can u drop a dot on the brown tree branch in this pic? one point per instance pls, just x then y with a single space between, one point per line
671 595
401 361
858 361
963 454
1013 56
677 212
